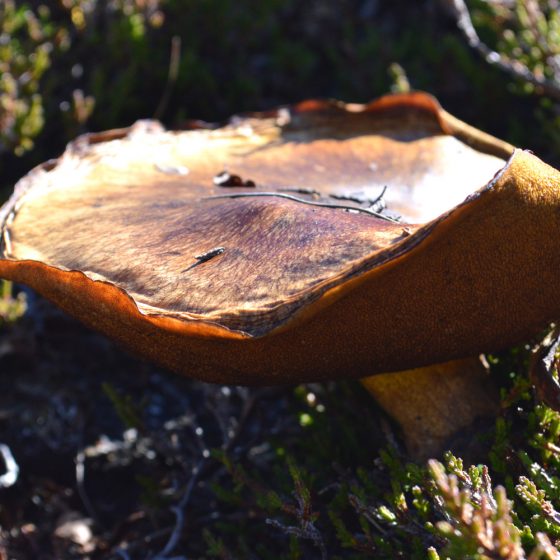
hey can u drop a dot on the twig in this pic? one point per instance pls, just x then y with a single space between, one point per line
80 484
206 256
377 204
122 553
248 409
301 190
174 60
309 532
179 513
532 10
361 509
542 367
144 541
544 548
513 67
9 478
211 465
302 201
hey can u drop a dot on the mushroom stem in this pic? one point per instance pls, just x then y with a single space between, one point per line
434 403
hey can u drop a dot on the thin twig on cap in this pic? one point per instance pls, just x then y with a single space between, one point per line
303 201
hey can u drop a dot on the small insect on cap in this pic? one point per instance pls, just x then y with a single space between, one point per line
295 270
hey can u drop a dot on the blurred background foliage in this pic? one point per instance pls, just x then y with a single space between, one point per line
72 66
69 66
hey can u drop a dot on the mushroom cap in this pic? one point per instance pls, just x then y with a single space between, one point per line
135 233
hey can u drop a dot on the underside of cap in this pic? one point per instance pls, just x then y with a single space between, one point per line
286 267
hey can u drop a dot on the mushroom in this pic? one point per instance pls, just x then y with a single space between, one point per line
294 271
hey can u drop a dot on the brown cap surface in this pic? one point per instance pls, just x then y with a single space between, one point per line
139 234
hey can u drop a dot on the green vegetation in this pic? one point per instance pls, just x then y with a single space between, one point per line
325 477
387 508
